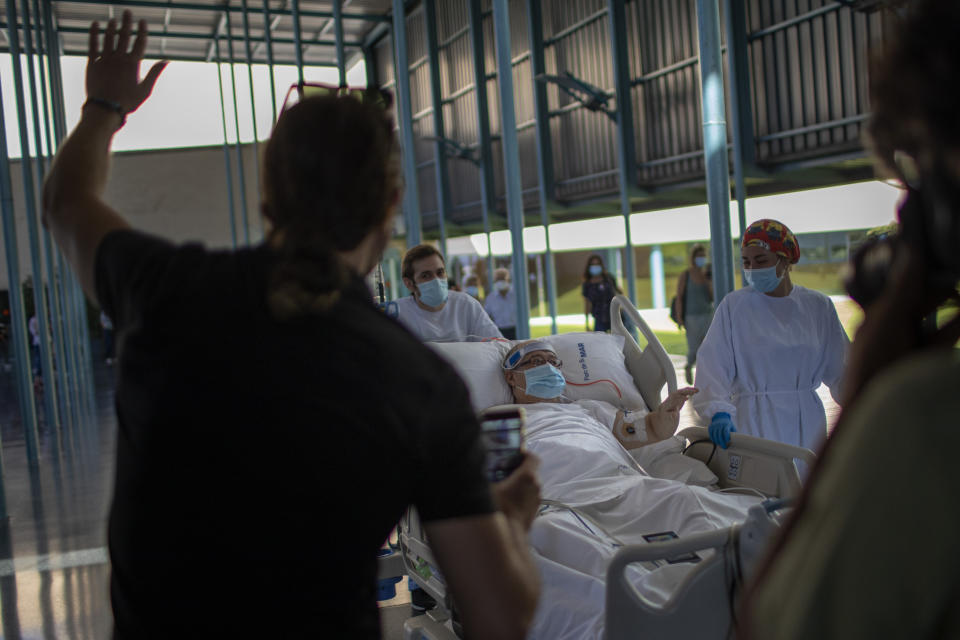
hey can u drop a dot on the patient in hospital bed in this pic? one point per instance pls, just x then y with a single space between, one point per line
598 492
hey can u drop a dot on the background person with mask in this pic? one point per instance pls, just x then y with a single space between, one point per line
598 290
502 304
694 305
432 312
770 346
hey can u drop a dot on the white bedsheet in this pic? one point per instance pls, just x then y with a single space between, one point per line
583 466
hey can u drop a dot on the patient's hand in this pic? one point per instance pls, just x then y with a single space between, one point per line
663 423
518 495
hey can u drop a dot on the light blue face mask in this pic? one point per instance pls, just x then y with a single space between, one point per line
544 381
433 293
700 261
596 269
472 290
763 280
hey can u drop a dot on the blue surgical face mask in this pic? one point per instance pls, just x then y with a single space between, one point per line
544 381
433 293
763 280
501 285
700 261
472 290
596 269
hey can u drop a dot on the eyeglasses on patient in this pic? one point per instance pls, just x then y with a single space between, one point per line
537 361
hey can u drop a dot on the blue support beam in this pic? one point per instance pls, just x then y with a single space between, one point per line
488 196
81 386
546 185
53 388
411 194
511 164
297 45
626 145
338 39
744 147
715 146
226 144
436 99
33 234
19 335
241 172
253 105
268 39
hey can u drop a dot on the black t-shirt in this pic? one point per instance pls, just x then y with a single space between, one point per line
261 464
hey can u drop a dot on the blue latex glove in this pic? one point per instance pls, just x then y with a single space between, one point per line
721 426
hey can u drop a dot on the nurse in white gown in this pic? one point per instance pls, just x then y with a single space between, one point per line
769 348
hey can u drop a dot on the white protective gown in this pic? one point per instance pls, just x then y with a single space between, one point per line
763 360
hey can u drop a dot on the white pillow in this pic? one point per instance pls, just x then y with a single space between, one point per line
480 364
594 368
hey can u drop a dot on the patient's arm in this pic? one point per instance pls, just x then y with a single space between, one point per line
657 425
486 559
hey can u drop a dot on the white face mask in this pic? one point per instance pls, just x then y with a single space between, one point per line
501 285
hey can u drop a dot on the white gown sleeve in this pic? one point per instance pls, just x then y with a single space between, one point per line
835 347
716 367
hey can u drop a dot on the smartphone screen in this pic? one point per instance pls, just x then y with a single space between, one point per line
502 433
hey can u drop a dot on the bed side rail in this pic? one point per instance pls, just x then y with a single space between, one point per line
765 465
703 604
650 366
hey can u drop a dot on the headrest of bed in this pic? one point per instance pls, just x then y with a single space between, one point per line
593 365
480 366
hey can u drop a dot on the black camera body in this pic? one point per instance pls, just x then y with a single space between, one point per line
930 226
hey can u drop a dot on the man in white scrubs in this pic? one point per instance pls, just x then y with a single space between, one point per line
501 304
433 313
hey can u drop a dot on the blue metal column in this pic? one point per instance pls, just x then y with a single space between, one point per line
226 143
338 38
488 196
626 145
411 194
436 99
656 277
33 233
52 386
544 148
241 172
268 39
18 318
64 375
744 150
80 388
298 48
511 164
715 146
253 105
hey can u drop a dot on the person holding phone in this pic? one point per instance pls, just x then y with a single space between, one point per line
845 568
241 462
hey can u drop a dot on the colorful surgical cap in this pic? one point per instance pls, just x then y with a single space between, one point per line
773 236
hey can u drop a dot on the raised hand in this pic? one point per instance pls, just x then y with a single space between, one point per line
113 69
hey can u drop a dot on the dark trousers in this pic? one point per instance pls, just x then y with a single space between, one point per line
510 333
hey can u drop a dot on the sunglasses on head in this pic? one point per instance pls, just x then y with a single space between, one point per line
369 95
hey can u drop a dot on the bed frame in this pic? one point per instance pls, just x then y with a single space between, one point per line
751 463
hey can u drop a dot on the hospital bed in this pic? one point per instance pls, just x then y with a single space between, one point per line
749 464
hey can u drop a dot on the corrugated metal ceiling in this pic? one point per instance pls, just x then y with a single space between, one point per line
184 30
